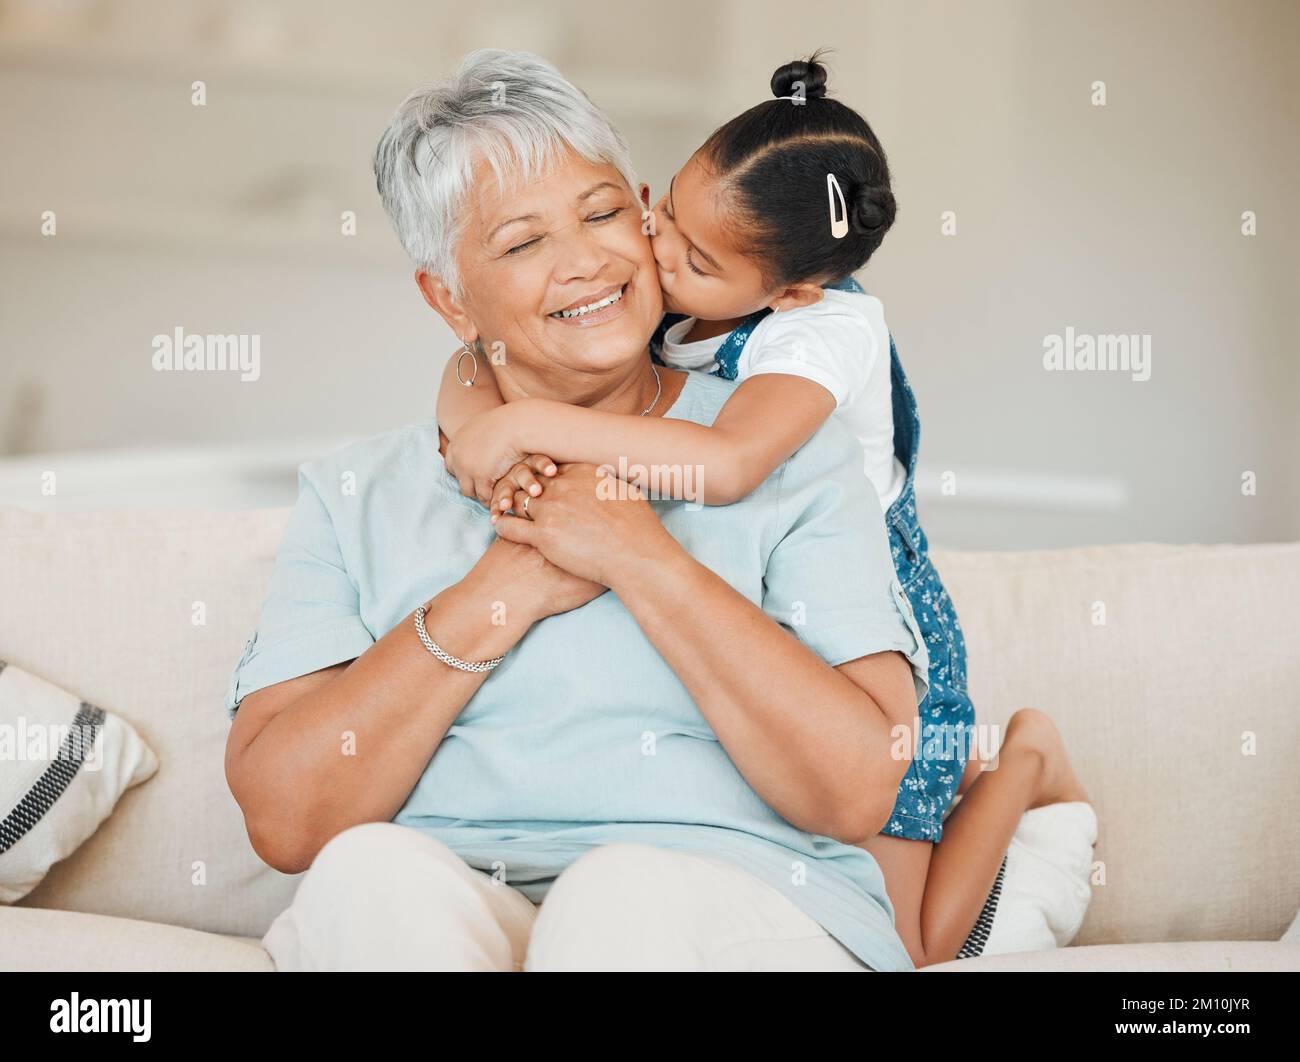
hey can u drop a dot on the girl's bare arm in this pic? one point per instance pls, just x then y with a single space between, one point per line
458 403
765 420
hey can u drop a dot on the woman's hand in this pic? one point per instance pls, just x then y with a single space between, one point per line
590 523
482 452
523 477
526 584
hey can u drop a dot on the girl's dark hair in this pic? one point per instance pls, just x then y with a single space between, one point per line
774 159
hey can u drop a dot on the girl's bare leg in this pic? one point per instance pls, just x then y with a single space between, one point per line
939 890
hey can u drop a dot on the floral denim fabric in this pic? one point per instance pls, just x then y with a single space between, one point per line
946 718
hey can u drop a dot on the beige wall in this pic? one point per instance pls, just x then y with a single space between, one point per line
1116 219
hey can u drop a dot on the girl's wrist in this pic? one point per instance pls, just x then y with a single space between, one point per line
518 424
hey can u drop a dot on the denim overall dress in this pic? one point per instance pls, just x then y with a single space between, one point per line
946 716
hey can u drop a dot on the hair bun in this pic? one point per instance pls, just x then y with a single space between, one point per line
873 210
808 71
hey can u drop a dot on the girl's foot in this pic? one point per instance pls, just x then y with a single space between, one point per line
1033 730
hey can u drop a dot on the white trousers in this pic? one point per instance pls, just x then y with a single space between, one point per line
386 897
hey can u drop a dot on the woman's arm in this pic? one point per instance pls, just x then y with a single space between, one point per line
309 757
764 421
814 741
458 403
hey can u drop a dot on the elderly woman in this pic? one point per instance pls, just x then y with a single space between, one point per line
669 726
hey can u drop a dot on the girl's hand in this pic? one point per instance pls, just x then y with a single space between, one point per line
481 453
593 525
522 477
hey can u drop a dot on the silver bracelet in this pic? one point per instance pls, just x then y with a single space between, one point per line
446 657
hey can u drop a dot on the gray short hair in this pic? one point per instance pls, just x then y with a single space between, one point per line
512 108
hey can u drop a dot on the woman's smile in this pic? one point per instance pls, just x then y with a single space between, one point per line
595 308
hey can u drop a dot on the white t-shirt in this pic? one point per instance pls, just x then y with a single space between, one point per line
840 342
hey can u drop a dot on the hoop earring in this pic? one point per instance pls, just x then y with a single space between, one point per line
473 361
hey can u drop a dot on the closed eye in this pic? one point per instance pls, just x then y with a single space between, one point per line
524 246
609 215
689 263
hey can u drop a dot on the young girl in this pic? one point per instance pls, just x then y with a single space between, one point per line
755 241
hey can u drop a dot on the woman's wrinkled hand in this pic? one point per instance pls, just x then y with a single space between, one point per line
482 453
521 580
590 523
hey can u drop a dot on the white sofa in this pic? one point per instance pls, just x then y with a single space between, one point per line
1200 648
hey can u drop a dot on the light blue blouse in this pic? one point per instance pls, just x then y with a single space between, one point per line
583 735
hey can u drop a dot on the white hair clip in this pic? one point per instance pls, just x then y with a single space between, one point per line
840 225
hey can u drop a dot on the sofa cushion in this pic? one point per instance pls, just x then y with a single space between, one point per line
1292 934
1173 674
1201 955
1197 649
161 605
37 940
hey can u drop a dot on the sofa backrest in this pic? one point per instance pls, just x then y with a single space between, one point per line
1173 673
1181 709
104 604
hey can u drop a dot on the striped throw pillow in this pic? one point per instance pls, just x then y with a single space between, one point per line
63 766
